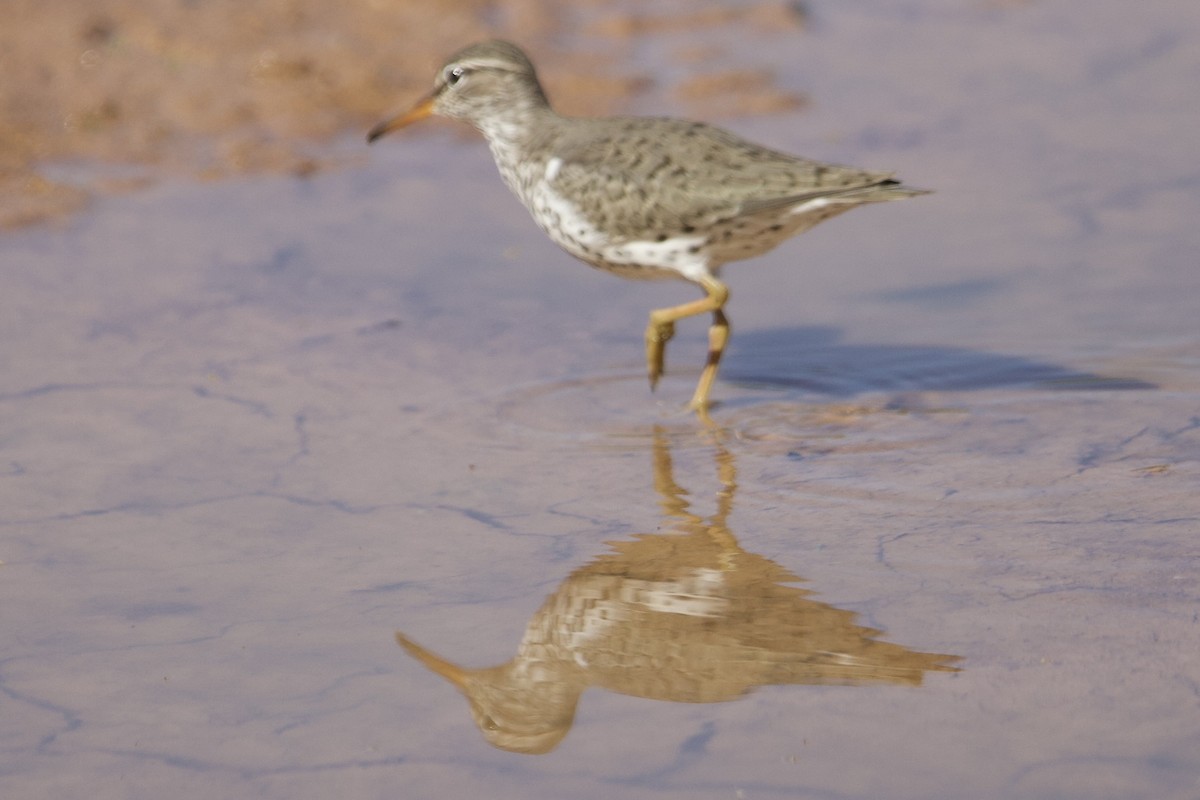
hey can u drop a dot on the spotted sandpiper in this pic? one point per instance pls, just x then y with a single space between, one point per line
642 197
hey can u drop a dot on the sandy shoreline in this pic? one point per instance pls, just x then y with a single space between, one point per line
225 88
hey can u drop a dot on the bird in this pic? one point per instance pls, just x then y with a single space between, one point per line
642 197
684 614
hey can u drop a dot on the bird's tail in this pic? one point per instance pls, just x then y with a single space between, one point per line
887 189
876 191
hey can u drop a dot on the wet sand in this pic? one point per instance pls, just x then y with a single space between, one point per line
254 427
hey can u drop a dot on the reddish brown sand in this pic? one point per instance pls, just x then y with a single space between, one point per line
227 87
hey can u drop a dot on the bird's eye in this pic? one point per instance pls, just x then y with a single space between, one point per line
455 75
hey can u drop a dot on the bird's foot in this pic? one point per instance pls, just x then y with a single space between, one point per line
700 406
657 336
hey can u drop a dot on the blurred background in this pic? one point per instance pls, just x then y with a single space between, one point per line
149 87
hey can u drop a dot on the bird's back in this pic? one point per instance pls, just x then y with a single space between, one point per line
666 190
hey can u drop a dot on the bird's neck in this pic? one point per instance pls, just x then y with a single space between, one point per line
512 128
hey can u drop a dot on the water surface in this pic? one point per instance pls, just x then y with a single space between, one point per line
252 429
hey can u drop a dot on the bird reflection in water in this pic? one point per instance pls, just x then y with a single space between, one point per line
686 616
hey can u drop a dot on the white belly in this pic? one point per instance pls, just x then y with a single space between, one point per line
570 229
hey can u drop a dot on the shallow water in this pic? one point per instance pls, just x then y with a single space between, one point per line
252 429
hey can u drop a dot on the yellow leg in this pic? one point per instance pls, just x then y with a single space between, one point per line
718 336
662 328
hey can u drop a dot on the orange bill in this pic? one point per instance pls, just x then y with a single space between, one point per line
418 112
440 666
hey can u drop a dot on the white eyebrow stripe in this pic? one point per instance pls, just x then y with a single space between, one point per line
487 63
